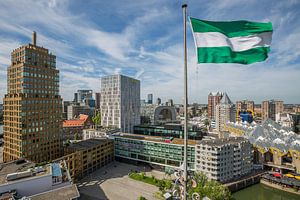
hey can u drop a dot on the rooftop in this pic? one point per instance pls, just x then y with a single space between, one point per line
86 144
76 122
156 139
222 141
63 193
13 167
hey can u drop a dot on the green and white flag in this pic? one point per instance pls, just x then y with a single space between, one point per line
241 42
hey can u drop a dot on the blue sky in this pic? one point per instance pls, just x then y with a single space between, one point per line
143 39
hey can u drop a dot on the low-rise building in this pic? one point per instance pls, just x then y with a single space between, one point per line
224 159
285 119
22 179
99 132
73 128
86 156
161 151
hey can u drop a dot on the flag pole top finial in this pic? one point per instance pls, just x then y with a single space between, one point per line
184 5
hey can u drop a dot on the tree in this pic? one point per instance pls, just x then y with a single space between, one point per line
142 198
210 188
97 119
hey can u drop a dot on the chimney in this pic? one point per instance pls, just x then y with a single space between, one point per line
34 38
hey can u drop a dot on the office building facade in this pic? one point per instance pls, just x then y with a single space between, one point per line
120 102
32 105
269 109
165 152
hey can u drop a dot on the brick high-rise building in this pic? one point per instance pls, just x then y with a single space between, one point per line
32 105
269 109
213 100
244 106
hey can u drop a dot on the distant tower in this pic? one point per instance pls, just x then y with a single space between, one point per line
158 101
97 97
225 112
214 98
150 98
32 105
271 108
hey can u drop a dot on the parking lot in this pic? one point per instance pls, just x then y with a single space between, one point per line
112 182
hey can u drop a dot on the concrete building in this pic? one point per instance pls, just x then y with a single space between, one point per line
225 112
32 105
22 179
270 108
285 120
150 99
214 99
99 132
86 156
120 102
224 159
243 107
161 151
170 102
73 111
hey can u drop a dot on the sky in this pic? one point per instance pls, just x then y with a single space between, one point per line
144 40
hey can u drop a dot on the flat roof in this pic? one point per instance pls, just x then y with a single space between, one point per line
63 193
222 141
86 144
155 138
12 167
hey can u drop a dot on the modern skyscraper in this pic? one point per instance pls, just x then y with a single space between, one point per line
150 98
120 102
214 98
32 105
225 112
244 106
270 108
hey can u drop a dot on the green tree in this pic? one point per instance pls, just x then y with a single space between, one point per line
210 188
97 119
142 198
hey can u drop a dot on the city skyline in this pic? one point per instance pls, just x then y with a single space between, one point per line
144 40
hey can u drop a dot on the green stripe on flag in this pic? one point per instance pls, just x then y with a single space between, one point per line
231 28
226 55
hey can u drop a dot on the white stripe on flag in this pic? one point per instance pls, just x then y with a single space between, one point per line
241 43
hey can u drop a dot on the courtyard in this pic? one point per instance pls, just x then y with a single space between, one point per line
112 182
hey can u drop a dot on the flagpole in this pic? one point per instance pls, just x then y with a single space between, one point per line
185 166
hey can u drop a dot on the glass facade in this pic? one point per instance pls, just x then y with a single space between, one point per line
160 153
161 131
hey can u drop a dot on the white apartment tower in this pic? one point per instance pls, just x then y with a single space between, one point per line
225 112
120 102
224 159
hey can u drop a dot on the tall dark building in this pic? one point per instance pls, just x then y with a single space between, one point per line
98 98
32 105
150 98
